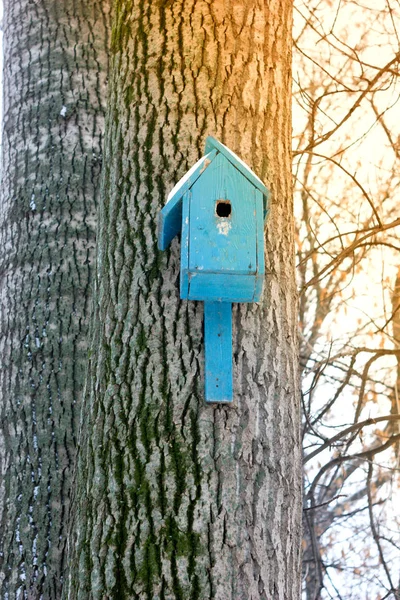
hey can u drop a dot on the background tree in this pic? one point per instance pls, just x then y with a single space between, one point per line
347 190
176 499
55 66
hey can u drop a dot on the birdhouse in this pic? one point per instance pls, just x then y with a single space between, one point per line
219 207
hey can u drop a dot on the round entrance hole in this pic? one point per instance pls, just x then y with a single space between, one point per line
223 208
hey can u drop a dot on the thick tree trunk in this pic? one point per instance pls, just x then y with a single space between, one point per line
176 499
55 68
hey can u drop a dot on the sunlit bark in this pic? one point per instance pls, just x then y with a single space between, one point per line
176 499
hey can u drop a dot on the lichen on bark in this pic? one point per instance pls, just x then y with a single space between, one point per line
55 68
176 499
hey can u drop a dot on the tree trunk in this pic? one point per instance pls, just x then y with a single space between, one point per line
55 68
176 499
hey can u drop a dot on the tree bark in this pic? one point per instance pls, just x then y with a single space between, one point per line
176 499
55 67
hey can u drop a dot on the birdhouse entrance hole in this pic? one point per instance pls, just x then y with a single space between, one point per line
223 208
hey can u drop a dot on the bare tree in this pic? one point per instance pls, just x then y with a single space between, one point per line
347 188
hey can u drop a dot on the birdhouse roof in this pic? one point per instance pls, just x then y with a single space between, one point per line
212 143
212 148
190 177
171 214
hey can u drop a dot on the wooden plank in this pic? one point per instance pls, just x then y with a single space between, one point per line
259 283
218 351
221 287
169 222
184 280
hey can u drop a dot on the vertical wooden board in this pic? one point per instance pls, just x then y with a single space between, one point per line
218 351
218 243
169 222
184 284
259 283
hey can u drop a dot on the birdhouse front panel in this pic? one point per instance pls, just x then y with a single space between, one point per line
222 221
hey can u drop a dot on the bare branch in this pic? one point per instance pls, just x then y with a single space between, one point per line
369 88
350 429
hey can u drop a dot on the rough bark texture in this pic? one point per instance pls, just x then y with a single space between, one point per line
176 499
54 102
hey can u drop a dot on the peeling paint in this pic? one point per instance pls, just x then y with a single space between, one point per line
224 226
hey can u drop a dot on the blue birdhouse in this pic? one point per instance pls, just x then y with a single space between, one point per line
219 207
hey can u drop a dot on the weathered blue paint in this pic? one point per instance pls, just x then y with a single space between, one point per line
218 351
170 217
219 206
224 288
225 253
184 281
260 220
213 144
